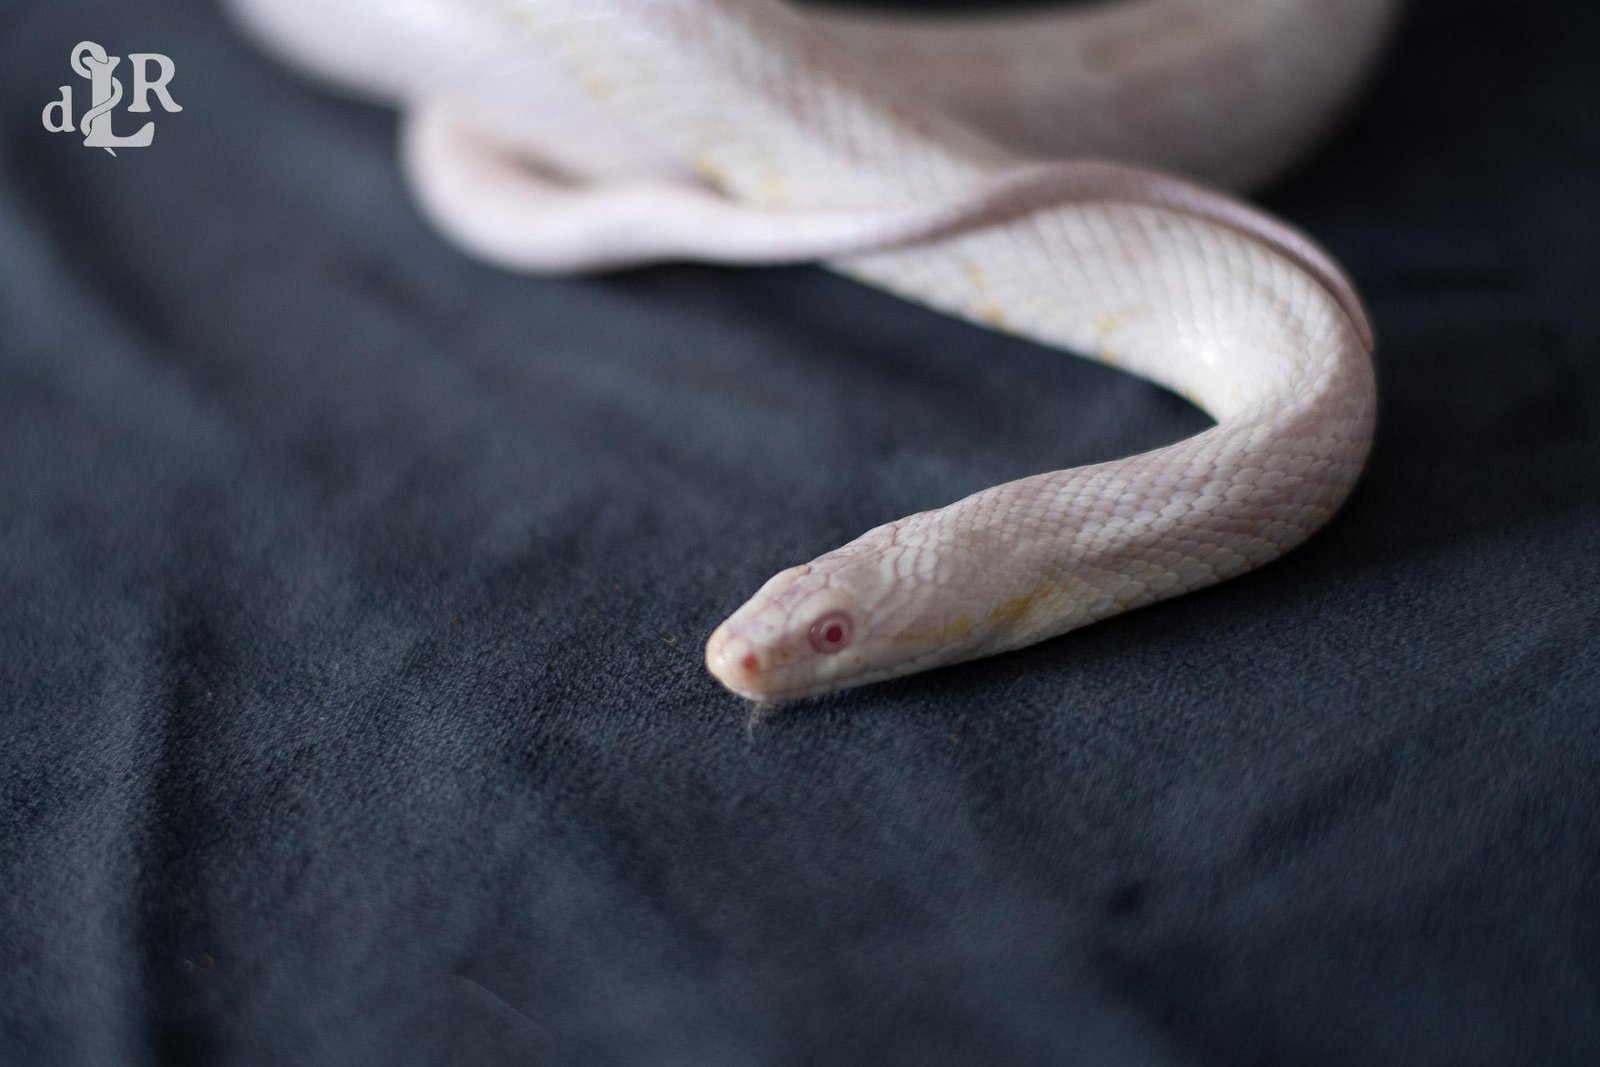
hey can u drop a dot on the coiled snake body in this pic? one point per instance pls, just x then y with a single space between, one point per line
581 134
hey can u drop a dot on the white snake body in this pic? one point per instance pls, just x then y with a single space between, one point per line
802 152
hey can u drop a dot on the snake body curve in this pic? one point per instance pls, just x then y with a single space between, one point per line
583 134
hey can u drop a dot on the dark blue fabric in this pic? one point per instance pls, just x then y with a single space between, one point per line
352 597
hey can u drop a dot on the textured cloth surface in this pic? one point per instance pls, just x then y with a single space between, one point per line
352 597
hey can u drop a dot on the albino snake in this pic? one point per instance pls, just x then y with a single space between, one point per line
581 134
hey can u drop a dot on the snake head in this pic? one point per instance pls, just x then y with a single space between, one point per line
800 634
845 619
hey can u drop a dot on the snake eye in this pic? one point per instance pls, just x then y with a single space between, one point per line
831 633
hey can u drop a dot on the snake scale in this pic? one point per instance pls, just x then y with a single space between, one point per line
961 164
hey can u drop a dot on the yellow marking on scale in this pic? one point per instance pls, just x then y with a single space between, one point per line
774 189
990 312
960 626
1013 610
708 169
1112 321
598 87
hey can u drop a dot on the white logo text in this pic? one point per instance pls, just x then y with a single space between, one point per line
90 61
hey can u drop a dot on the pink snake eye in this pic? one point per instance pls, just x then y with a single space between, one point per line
831 633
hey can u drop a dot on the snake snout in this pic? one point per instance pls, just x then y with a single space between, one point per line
736 662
